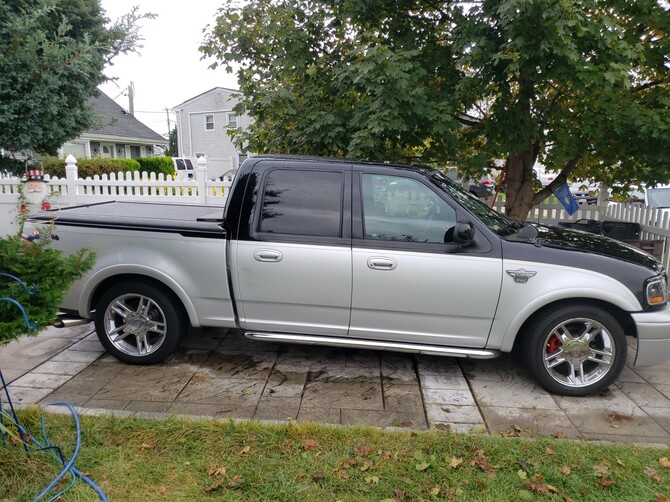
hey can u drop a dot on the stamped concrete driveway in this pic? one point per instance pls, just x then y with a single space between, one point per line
219 373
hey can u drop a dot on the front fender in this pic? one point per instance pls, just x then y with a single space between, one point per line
519 301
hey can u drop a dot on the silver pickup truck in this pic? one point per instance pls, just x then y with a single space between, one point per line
350 254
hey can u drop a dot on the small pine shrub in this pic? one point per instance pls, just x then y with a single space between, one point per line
43 269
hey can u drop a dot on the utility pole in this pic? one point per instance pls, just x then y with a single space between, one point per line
131 99
167 111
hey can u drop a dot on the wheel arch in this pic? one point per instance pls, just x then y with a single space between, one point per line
155 279
623 317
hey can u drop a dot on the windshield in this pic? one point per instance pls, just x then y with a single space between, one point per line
658 197
497 222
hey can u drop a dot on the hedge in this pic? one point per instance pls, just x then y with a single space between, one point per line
90 167
157 165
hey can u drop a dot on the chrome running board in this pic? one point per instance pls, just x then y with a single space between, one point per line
358 343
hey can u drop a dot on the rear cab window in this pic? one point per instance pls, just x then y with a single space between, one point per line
302 204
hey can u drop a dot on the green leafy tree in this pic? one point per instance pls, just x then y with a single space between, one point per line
52 55
582 86
172 143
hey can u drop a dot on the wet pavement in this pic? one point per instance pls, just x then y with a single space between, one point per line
218 373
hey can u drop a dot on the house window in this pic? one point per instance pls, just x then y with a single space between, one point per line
135 152
232 120
209 122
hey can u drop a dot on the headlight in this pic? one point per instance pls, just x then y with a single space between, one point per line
656 291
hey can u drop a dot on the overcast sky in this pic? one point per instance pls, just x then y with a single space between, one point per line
169 70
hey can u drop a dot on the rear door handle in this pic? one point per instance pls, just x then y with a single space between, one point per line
267 255
378 263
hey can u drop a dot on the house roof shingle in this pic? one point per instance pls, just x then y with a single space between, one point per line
117 122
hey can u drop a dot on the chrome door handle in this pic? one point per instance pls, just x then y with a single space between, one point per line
267 255
378 263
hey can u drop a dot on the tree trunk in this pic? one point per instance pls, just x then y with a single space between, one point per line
520 185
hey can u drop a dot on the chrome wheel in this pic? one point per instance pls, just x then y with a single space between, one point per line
135 324
579 352
574 349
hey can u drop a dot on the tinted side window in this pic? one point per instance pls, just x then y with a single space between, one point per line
403 209
302 203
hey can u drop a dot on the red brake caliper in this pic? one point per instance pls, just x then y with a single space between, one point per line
553 344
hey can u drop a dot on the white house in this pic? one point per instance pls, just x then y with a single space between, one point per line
117 134
203 123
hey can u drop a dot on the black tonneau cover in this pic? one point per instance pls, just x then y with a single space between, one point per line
147 216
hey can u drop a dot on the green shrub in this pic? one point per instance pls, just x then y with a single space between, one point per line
90 167
157 165
53 166
42 268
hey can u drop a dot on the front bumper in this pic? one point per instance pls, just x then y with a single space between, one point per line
653 337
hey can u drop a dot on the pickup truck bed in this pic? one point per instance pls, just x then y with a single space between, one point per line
140 216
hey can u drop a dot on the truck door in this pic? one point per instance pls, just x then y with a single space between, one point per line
406 286
292 273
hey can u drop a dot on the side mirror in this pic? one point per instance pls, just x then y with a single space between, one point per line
464 233
459 236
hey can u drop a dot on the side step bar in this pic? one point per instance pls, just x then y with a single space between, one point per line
357 343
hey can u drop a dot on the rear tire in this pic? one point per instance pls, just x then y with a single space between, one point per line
574 350
139 323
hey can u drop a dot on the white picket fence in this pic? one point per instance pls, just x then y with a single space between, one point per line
71 190
135 186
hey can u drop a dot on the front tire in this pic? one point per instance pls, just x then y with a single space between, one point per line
139 323
574 350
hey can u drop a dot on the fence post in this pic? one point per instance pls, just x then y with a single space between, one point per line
71 175
201 178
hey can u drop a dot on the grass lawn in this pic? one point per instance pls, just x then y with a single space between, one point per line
177 459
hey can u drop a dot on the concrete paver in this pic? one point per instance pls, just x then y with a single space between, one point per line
219 373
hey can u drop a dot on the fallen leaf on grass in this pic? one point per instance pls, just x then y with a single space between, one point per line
653 474
665 462
422 466
218 471
435 491
162 490
565 470
601 470
549 451
245 450
604 482
522 474
367 465
372 480
235 482
363 451
147 446
215 486
455 462
318 476
309 444
343 474
662 498
536 486
483 464
399 494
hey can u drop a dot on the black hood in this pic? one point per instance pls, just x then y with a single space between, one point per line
573 248
578 240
